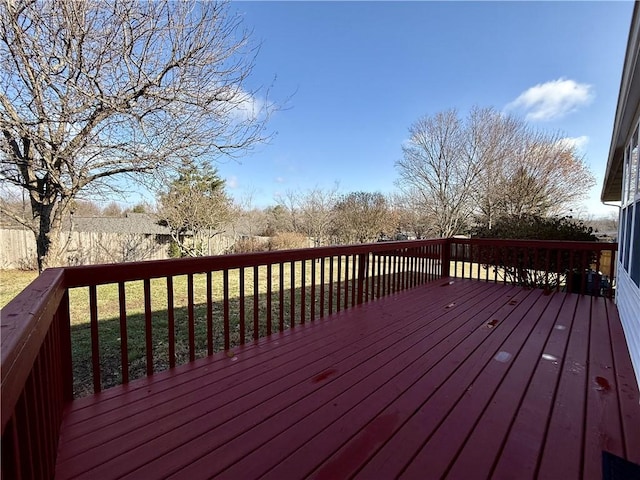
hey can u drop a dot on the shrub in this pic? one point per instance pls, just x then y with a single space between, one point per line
287 241
248 245
531 267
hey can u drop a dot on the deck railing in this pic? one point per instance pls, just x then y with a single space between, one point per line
578 267
79 330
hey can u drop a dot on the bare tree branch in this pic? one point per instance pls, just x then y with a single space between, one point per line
91 91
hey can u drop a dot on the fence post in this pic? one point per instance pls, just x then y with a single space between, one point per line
445 257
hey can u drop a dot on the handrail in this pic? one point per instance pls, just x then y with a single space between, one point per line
86 275
36 376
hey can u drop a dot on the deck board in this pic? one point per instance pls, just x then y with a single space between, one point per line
442 379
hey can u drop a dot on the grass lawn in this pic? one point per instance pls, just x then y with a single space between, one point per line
12 282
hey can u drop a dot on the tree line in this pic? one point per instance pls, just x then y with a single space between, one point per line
93 98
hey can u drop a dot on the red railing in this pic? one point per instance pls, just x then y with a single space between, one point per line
79 330
36 376
578 267
244 297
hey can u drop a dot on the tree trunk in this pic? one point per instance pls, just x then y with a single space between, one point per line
48 246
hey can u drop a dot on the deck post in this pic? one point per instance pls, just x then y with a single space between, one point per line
445 258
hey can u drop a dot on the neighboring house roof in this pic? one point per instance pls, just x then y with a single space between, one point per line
132 223
626 112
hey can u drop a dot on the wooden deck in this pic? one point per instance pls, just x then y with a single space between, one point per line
458 379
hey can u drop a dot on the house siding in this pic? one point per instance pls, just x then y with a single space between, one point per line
628 301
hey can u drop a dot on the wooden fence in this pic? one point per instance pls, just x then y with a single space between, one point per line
18 247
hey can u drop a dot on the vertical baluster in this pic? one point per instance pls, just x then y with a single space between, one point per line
43 431
386 280
192 318
269 293
65 347
394 272
24 410
124 339
331 285
570 287
256 310
35 441
292 295
303 290
312 306
171 323
353 280
281 298
51 401
558 269
346 282
547 267
14 466
339 289
583 273
95 348
225 308
241 304
596 277
322 286
209 313
148 325
379 277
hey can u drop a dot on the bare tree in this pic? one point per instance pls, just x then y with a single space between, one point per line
249 219
485 166
98 92
410 215
361 217
545 176
438 169
286 213
316 207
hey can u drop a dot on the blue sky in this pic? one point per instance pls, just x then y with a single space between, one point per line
360 73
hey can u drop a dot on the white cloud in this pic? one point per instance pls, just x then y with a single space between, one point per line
579 143
279 180
249 107
552 100
232 182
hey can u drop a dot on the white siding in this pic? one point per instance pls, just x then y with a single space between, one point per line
628 300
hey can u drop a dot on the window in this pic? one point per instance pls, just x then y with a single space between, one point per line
633 168
626 239
635 248
630 215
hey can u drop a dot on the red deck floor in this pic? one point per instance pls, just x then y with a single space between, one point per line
460 379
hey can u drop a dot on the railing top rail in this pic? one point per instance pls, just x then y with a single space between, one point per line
567 244
112 273
25 322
